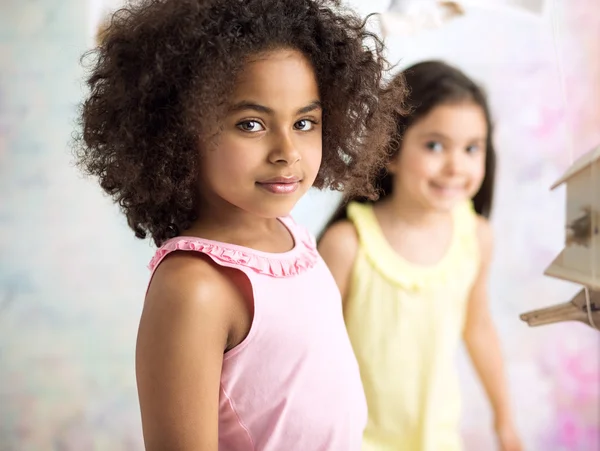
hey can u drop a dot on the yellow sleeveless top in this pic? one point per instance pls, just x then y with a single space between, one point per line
405 323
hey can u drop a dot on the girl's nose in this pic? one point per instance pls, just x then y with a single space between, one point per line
455 161
284 150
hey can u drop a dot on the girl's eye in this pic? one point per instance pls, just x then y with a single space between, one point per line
304 125
434 146
472 149
250 126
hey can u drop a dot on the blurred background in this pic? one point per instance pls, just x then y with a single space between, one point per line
72 275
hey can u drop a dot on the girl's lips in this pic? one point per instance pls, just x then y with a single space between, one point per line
280 184
280 188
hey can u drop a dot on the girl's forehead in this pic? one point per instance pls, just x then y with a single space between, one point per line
277 77
453 115
276 64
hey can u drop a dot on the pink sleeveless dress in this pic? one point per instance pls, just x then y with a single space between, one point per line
293 384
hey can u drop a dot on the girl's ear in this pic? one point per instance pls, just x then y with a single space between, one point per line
392 165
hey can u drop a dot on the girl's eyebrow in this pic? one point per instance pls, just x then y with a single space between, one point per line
248 105
433 135
312 106
439 135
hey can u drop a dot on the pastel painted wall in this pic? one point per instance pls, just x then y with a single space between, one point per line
72 276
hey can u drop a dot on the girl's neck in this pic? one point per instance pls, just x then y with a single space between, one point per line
241 228
233 224
406 210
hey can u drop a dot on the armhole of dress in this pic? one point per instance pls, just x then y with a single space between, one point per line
467 221
359 220
255 316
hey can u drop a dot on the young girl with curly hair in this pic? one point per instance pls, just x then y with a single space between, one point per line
413 267
207 121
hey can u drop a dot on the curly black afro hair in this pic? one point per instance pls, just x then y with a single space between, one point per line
160 77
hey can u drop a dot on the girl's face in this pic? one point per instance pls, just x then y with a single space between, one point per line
442 159
269 150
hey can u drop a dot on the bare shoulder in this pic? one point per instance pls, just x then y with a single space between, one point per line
338 246
339 242
184 330
187 280
485 237
188 283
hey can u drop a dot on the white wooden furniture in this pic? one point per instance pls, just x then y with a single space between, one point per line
579 261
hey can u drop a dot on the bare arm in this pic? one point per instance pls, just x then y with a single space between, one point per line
483 344
338 247
182 336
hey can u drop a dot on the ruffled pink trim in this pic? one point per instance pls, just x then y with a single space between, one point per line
303 257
